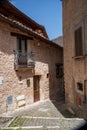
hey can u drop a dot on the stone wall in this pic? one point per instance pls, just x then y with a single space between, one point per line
15 81
74 12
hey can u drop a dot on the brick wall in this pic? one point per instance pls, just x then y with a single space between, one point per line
15 81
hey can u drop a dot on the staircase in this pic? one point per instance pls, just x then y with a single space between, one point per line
43 123
45 115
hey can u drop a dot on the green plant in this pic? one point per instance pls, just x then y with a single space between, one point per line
68 113
44 128
17 122
6 129
19 129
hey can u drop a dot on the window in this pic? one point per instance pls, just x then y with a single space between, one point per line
22 51
79 40
48 75
59 71
21 44
80 86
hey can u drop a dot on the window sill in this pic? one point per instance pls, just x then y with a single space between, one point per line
79 57
80 92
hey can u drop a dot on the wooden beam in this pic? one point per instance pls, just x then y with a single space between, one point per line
21 35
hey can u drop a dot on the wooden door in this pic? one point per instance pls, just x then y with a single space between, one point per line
36 88
85 91
22 51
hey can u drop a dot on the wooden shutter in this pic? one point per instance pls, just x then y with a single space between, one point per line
78 42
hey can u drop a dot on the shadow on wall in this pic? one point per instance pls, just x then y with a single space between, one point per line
24 74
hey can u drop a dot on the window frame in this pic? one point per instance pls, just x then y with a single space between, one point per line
77 87
19 44
80 86
76 27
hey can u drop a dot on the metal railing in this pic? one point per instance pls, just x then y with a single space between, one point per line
24 59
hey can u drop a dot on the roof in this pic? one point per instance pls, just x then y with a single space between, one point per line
59 41
20 24
7 9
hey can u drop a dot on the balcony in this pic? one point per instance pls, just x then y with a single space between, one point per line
24 60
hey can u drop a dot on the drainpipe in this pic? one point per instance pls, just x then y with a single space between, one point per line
6 106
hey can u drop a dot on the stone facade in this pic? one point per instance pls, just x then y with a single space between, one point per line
75 67
14 82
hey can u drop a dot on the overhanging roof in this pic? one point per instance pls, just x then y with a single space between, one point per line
12 12
16 19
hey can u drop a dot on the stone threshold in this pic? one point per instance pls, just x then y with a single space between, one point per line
58 118
30 127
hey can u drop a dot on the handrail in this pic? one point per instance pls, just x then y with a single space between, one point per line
24 59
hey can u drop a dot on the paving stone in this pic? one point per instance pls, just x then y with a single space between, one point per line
45 115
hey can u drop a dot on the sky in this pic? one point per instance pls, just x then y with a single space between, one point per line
45 12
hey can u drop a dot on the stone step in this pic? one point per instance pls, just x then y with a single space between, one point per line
44 123
32 128
47 122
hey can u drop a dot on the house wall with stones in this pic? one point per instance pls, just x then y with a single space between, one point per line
13 83
75 67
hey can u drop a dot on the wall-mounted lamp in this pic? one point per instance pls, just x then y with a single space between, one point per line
38 43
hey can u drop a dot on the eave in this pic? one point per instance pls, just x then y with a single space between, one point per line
27 30
7 9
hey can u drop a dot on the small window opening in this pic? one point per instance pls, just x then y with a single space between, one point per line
59 71
80 86
48 75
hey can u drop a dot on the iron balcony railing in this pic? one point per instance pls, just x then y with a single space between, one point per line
24 59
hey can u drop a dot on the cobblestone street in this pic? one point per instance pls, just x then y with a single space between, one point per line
41 116
62 123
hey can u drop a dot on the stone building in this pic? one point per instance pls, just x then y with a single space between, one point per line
59 41
75 51
29 61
